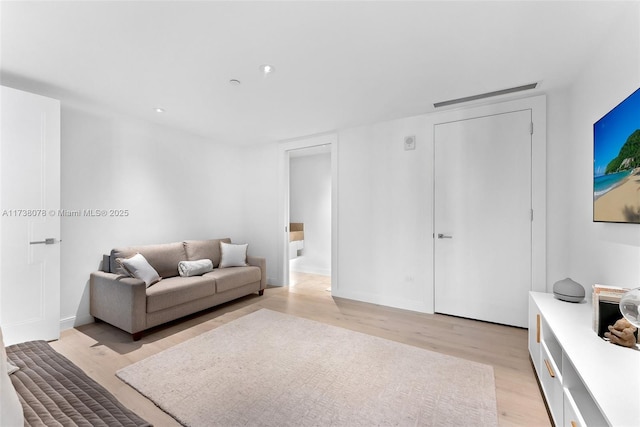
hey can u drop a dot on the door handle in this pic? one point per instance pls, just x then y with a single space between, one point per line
444 236
47 241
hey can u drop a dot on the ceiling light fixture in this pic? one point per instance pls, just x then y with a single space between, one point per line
267 69
485 95
159 110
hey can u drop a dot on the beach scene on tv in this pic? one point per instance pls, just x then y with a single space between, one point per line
616 171
616 177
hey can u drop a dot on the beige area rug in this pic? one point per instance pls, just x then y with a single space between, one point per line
273 369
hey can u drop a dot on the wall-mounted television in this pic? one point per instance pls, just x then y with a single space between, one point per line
616 163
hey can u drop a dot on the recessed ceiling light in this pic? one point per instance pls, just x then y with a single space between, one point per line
267 69
234 82
159 110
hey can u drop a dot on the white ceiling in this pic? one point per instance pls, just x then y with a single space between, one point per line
338 64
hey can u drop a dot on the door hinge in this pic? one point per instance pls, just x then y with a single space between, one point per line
531 128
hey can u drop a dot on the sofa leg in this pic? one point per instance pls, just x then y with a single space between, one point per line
137 336
261 292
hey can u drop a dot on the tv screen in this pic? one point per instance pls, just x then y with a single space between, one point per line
616 163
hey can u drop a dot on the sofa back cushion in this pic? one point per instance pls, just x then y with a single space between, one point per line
204 249
164 258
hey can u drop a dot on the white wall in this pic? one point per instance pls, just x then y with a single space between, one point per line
601 253
385 215
175 186
310 203
261 225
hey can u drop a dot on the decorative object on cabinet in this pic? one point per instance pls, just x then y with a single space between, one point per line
568 290
606 307
630 306
622 333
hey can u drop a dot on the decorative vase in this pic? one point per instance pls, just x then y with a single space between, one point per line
630 306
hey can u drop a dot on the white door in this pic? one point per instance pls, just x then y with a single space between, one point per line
30 225
483 217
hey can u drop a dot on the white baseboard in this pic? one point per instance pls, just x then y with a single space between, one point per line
273 281
401 303
73 321
67 323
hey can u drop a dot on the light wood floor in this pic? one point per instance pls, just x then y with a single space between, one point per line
100 349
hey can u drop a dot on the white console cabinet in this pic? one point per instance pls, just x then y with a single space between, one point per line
586 381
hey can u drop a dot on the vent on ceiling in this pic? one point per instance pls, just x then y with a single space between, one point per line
485 95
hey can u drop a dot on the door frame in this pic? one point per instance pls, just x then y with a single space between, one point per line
537 105
284 149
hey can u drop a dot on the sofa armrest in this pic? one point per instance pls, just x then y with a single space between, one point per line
118 300
262 263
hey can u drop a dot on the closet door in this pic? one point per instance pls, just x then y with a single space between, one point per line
483 217
29 222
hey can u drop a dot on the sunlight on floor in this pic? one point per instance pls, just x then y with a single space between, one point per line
308 283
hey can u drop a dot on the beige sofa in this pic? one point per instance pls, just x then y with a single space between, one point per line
127 303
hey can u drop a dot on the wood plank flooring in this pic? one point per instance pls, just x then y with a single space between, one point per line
100 349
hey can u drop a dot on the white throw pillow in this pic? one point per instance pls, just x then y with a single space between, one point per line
138 266
233 255
11 414
194 268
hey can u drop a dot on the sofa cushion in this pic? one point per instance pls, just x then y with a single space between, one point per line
200 249
178 290
164 258
234 277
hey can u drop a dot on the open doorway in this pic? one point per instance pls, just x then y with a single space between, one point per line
308 199
310 217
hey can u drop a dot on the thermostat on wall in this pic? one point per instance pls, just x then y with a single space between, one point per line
410 142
